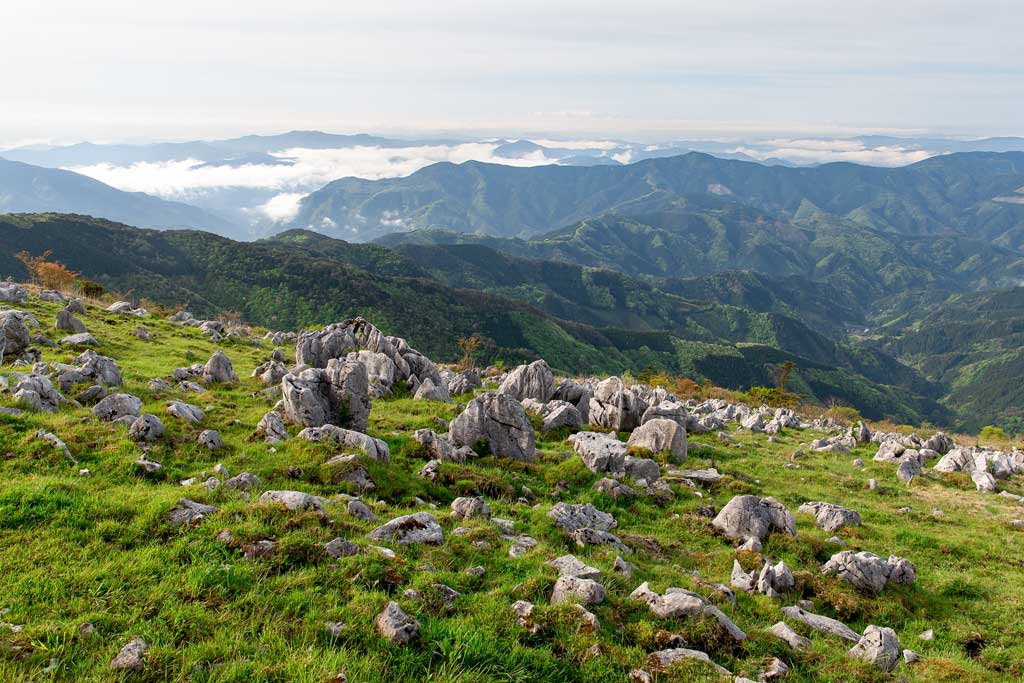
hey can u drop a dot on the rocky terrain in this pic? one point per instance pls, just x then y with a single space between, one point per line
197 500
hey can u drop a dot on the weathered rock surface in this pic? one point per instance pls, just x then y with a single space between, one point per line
661 435
500 421
747 517
336 395
879 646
395 625
419 527
346 438
529 381
831 517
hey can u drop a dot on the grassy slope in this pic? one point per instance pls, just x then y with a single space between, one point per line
76 549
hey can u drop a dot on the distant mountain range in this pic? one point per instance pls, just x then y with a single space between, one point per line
26 188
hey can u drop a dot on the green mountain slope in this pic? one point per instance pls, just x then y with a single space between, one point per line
292 283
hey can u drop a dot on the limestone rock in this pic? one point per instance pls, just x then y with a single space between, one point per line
747 517
586 591
601 453
116 406
500 421
660 435
420 527
293 501
146 428
184 411
219 369
529 381
271 428
131 657
346 438
467 508
831 517
880 646
395 625
336 395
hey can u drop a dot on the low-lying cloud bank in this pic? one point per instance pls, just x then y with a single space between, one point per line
305 170
270 192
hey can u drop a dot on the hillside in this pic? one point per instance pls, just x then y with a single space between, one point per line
26 188
186 554
959 192
288 284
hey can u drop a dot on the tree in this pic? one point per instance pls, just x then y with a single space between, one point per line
782 373
469 346
45 273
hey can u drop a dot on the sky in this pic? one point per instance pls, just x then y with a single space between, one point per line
125 70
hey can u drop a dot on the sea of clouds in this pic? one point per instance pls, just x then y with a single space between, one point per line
279 187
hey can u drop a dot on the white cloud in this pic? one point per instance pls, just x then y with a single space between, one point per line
816 151
309 170
282 207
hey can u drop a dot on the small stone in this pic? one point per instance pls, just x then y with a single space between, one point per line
131 656
395 625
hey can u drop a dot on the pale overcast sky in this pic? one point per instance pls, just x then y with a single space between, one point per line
122 69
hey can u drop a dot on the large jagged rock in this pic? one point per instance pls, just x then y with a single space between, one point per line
939 442
616 407
572 517
879 646
831 517
65 321
419 527
530 381
666 410
746 517
219 369
14 334
584 591
500 421
12 292
577 394
428 391
37 393
336 395
661 435
185 411
375 449
146 428
380 370
293 501
116 406
91 367
821 623
868 572
395 626
796 642
559 414
271 428
601 452
270 373
315 348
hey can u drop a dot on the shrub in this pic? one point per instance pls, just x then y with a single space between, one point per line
774 397
89 288
992 433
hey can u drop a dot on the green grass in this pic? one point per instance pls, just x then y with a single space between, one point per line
96 549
